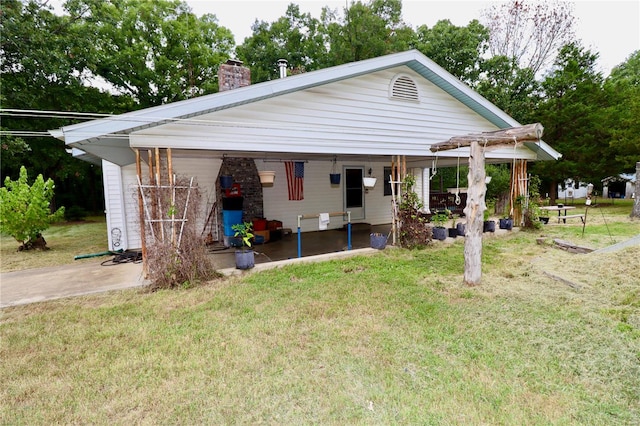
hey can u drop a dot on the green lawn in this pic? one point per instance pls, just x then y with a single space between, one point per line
392 338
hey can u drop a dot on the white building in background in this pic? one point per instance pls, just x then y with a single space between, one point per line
572 190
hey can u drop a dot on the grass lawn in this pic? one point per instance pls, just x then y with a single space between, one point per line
391 338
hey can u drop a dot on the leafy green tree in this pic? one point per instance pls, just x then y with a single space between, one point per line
42 69
572 114
366 30
511 88
623 92
155 51
295 37
458 50
25 209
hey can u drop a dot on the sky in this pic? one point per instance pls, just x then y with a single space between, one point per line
610 28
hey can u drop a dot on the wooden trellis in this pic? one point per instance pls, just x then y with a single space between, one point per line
162 203
474 210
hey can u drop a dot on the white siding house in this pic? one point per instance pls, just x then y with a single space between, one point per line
358 114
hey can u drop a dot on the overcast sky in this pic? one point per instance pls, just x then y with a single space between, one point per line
611 28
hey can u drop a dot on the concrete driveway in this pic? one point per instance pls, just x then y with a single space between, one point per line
36 285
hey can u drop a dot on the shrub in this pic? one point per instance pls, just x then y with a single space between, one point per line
25 210
75 213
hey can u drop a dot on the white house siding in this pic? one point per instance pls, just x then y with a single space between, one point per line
130 185
115 207
346 117
320 196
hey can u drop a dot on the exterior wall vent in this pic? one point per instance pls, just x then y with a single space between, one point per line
404 88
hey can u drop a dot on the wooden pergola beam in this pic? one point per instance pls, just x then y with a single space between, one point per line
527 133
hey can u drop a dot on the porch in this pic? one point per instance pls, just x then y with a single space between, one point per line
312 243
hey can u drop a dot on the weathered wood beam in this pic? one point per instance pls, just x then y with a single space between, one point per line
529 132
474 212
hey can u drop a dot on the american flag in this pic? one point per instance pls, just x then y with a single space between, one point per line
295 178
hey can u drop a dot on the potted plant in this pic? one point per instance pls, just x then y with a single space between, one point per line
245 259
489 225
439 231
453 231
506 222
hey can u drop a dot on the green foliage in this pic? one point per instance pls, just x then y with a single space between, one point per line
25 209
413 231
572 114
500 180
459 50
440 218
75 213
295 36
623 90
243 230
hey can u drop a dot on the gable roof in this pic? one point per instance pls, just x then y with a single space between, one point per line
108 138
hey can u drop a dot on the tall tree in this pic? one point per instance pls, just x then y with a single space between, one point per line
623 93
366 30
571 112
529 32
295 37
459 50
155 51
511 88
43 69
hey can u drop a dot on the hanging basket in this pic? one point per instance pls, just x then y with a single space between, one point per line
334 178
267 178
369 182
226 181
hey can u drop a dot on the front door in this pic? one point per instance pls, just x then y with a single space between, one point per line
354 192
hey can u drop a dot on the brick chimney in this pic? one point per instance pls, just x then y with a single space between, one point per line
232 75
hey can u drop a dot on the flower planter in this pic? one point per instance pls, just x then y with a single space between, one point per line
267 177
439 233
245 259
453 232
378 241
369 182
334 178
461 228
489 226
506 224
226 181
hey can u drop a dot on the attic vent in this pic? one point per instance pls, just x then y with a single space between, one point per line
403 88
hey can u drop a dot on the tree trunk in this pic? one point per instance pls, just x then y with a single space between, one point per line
474 212
636 202
553 192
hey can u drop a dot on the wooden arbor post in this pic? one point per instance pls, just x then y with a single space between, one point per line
474 210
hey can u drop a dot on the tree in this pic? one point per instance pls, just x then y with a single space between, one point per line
529 32
458 50
366 30
25 209
511 88
623 93
295 37
155 51
572 113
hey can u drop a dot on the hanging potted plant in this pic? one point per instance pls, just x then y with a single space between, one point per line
245 258
334 176
226 181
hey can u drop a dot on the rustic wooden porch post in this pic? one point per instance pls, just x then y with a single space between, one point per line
474 212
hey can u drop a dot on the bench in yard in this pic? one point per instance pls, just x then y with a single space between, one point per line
571 216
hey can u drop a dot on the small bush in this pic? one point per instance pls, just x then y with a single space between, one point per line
75 213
